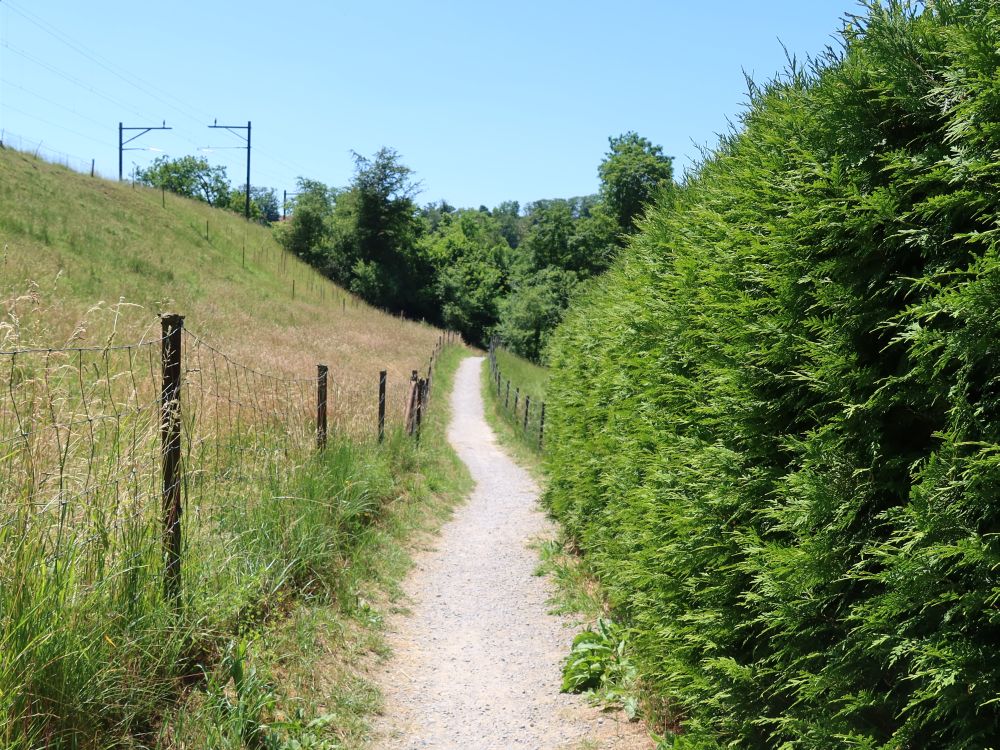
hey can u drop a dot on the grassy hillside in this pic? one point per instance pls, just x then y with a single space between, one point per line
532 379
71 242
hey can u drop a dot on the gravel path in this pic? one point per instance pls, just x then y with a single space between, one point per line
476 664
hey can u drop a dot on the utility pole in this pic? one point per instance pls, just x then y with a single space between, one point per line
284 204
232 129
121 142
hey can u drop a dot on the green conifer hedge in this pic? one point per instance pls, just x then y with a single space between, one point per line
774 426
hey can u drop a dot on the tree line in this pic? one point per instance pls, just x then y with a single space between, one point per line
509 270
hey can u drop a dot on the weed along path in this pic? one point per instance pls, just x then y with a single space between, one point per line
477 661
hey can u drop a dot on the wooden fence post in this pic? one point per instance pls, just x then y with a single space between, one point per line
541 427
381 406
421 395
170 443
411 403
506 398
517 393
321 400
527 410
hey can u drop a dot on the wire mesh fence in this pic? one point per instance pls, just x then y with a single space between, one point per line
38 149
144 497
85 438
524 411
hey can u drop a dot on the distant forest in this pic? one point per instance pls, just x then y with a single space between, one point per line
510 270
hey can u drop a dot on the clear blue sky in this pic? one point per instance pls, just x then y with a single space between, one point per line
484 101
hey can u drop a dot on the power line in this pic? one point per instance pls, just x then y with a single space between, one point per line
53 102
133 80
86 87
129 78
55 125
72 79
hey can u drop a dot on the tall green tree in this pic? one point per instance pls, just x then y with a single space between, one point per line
306 233
533 309
263 203
189 176
471 258
633 174
375 228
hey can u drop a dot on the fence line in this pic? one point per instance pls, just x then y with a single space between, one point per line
91 437
531 418
39 149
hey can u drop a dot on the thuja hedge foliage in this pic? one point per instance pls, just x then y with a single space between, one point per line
775 424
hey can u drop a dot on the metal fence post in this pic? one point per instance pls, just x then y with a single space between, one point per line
381 406
170 441
322 371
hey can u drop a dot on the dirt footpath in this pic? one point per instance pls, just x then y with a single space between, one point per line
476 664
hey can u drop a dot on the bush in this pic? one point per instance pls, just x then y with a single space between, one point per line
774 423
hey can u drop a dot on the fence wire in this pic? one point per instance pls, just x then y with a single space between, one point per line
524 411
80 529
81 481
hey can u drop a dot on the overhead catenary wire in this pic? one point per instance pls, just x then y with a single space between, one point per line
54 124
156 93
53 102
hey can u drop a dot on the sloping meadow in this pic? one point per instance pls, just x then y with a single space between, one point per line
774 425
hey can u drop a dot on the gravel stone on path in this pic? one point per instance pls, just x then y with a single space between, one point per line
477 662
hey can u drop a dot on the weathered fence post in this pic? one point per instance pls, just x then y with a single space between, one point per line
421 395
541 426
322 372
517 393
506 398
527 410
381 406
170 442
411 403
